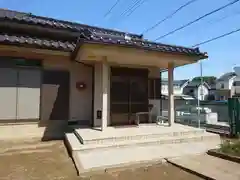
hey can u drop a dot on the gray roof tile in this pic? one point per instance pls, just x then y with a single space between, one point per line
42 43
93 37
87 33
54 23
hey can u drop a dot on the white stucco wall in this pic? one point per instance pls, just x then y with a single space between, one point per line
57 64
80 100
98 92
176 90
201 92
227 84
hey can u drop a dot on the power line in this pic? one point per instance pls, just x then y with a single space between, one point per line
169 16
212 22
225 17
136 7
215 38
110 10
198 19
135 3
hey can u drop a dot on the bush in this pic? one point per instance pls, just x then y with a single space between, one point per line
231 147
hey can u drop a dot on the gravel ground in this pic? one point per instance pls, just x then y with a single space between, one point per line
32 160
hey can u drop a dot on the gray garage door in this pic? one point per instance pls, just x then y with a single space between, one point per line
19 93
28 94
8 94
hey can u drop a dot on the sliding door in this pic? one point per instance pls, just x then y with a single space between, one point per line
129 94
138 99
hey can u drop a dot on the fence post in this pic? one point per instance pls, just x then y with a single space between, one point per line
234 116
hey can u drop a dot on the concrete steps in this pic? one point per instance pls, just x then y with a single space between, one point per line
140 137
119 157
141 140
77 146
121 150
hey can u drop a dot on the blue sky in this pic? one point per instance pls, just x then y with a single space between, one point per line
223 53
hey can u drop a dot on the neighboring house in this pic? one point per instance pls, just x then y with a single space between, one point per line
236 83
212 92
53 72
198 90
224 86
178 86
225 81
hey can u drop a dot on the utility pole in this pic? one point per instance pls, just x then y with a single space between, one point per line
201 95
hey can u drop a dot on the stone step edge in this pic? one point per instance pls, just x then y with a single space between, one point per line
147 143
140 137
72 141
77 146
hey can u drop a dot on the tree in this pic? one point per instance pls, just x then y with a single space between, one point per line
207 79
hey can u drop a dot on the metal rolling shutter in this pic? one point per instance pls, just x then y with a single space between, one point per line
8 93
28 94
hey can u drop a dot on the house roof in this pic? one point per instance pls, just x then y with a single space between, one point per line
175 82
79 33
194 84
37 42
29 18
227 76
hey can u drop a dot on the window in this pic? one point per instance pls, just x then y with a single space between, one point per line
222 98
13 62
201 91
222 86
128 91
236 83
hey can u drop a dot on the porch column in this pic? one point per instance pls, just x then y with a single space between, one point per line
171 110
105 94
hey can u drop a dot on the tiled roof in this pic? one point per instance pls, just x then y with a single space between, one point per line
37 42
175 82
29 18
194 84
87 34
93 37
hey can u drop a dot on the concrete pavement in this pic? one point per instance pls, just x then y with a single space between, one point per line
209 166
